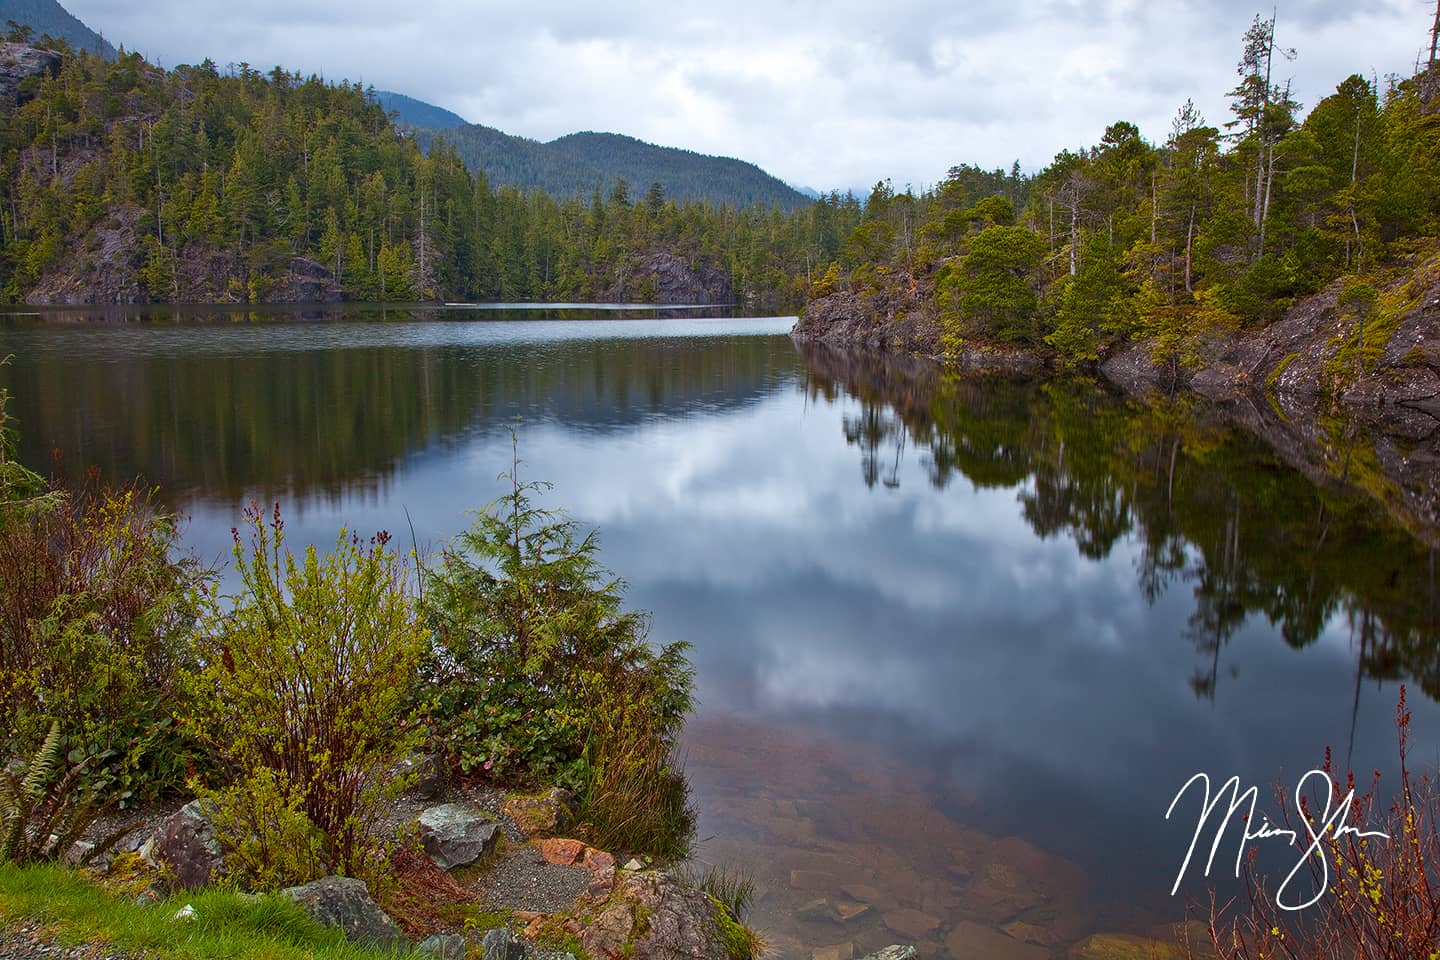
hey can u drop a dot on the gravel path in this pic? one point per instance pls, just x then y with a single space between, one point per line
24 941
524 880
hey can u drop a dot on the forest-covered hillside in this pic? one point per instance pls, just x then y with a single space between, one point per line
124 183
579 164
1184 242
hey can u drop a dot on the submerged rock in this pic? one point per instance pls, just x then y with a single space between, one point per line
1122 946
457 834
345 902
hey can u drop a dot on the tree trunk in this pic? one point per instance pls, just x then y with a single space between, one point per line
1189 242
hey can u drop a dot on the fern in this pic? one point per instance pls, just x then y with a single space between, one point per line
44 812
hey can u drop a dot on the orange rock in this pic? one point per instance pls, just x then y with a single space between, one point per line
912 923
563 853
599 861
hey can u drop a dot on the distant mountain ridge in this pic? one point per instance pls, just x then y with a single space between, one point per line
578 164
47 16
417 113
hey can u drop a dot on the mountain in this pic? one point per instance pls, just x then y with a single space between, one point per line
580 163
416 113
47 16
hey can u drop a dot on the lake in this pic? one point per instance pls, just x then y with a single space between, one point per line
958 643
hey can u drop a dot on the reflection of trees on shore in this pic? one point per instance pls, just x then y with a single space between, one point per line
338 421
1209 507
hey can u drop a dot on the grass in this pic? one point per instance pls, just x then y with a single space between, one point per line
226 925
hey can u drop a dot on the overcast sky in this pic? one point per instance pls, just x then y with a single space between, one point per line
820 94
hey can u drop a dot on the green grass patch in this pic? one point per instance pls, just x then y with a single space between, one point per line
227 925
1279 371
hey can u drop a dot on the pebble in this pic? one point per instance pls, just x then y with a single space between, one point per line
23 941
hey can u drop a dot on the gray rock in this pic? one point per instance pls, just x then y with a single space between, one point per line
186 845
457 834
429 772
345 902
446 946
19 62
500 945
896 951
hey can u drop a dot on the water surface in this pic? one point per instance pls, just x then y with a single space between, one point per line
958 643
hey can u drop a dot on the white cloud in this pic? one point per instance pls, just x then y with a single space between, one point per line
836 94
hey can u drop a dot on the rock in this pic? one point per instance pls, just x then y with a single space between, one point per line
429 773
1027 932
548 815
632 865
912 923
896 951
457 834
446 946
18 63
345 902
973 940
817 909
838 951
1122 946
186 912
673 921
848 910
500 945
561 852
186 845
813 880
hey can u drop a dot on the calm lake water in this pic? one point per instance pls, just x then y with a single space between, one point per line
958 644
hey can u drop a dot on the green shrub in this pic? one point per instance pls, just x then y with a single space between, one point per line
537 672
306 678
269 841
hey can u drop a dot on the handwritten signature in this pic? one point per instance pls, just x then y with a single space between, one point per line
1330 822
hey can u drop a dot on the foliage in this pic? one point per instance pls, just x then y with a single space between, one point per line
304 684
1383 896
269 841
992 289
95 609
45 808
732 888
227 925
538 672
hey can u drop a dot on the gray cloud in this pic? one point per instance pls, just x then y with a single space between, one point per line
829 95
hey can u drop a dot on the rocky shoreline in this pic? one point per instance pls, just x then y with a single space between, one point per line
1288 383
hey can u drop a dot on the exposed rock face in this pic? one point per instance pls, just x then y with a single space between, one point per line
186 844
345 902
665 278
19 62
662 918
457 834
900 317
551 814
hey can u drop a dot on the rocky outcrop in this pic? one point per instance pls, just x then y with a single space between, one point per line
345 902
185 845
662 277
898 316
653 917
20 62
457 834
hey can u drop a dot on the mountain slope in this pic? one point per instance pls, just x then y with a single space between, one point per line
47 16
417 113
580 163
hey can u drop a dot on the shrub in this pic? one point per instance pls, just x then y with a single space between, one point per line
305 678
538 672
1383 896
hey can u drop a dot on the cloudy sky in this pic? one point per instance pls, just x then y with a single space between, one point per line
835 94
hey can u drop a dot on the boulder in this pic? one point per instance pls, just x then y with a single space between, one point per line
500 944
345 902
673 921
446 946
550 814
457 834
186 846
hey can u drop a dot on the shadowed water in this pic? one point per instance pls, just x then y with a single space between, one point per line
958 643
